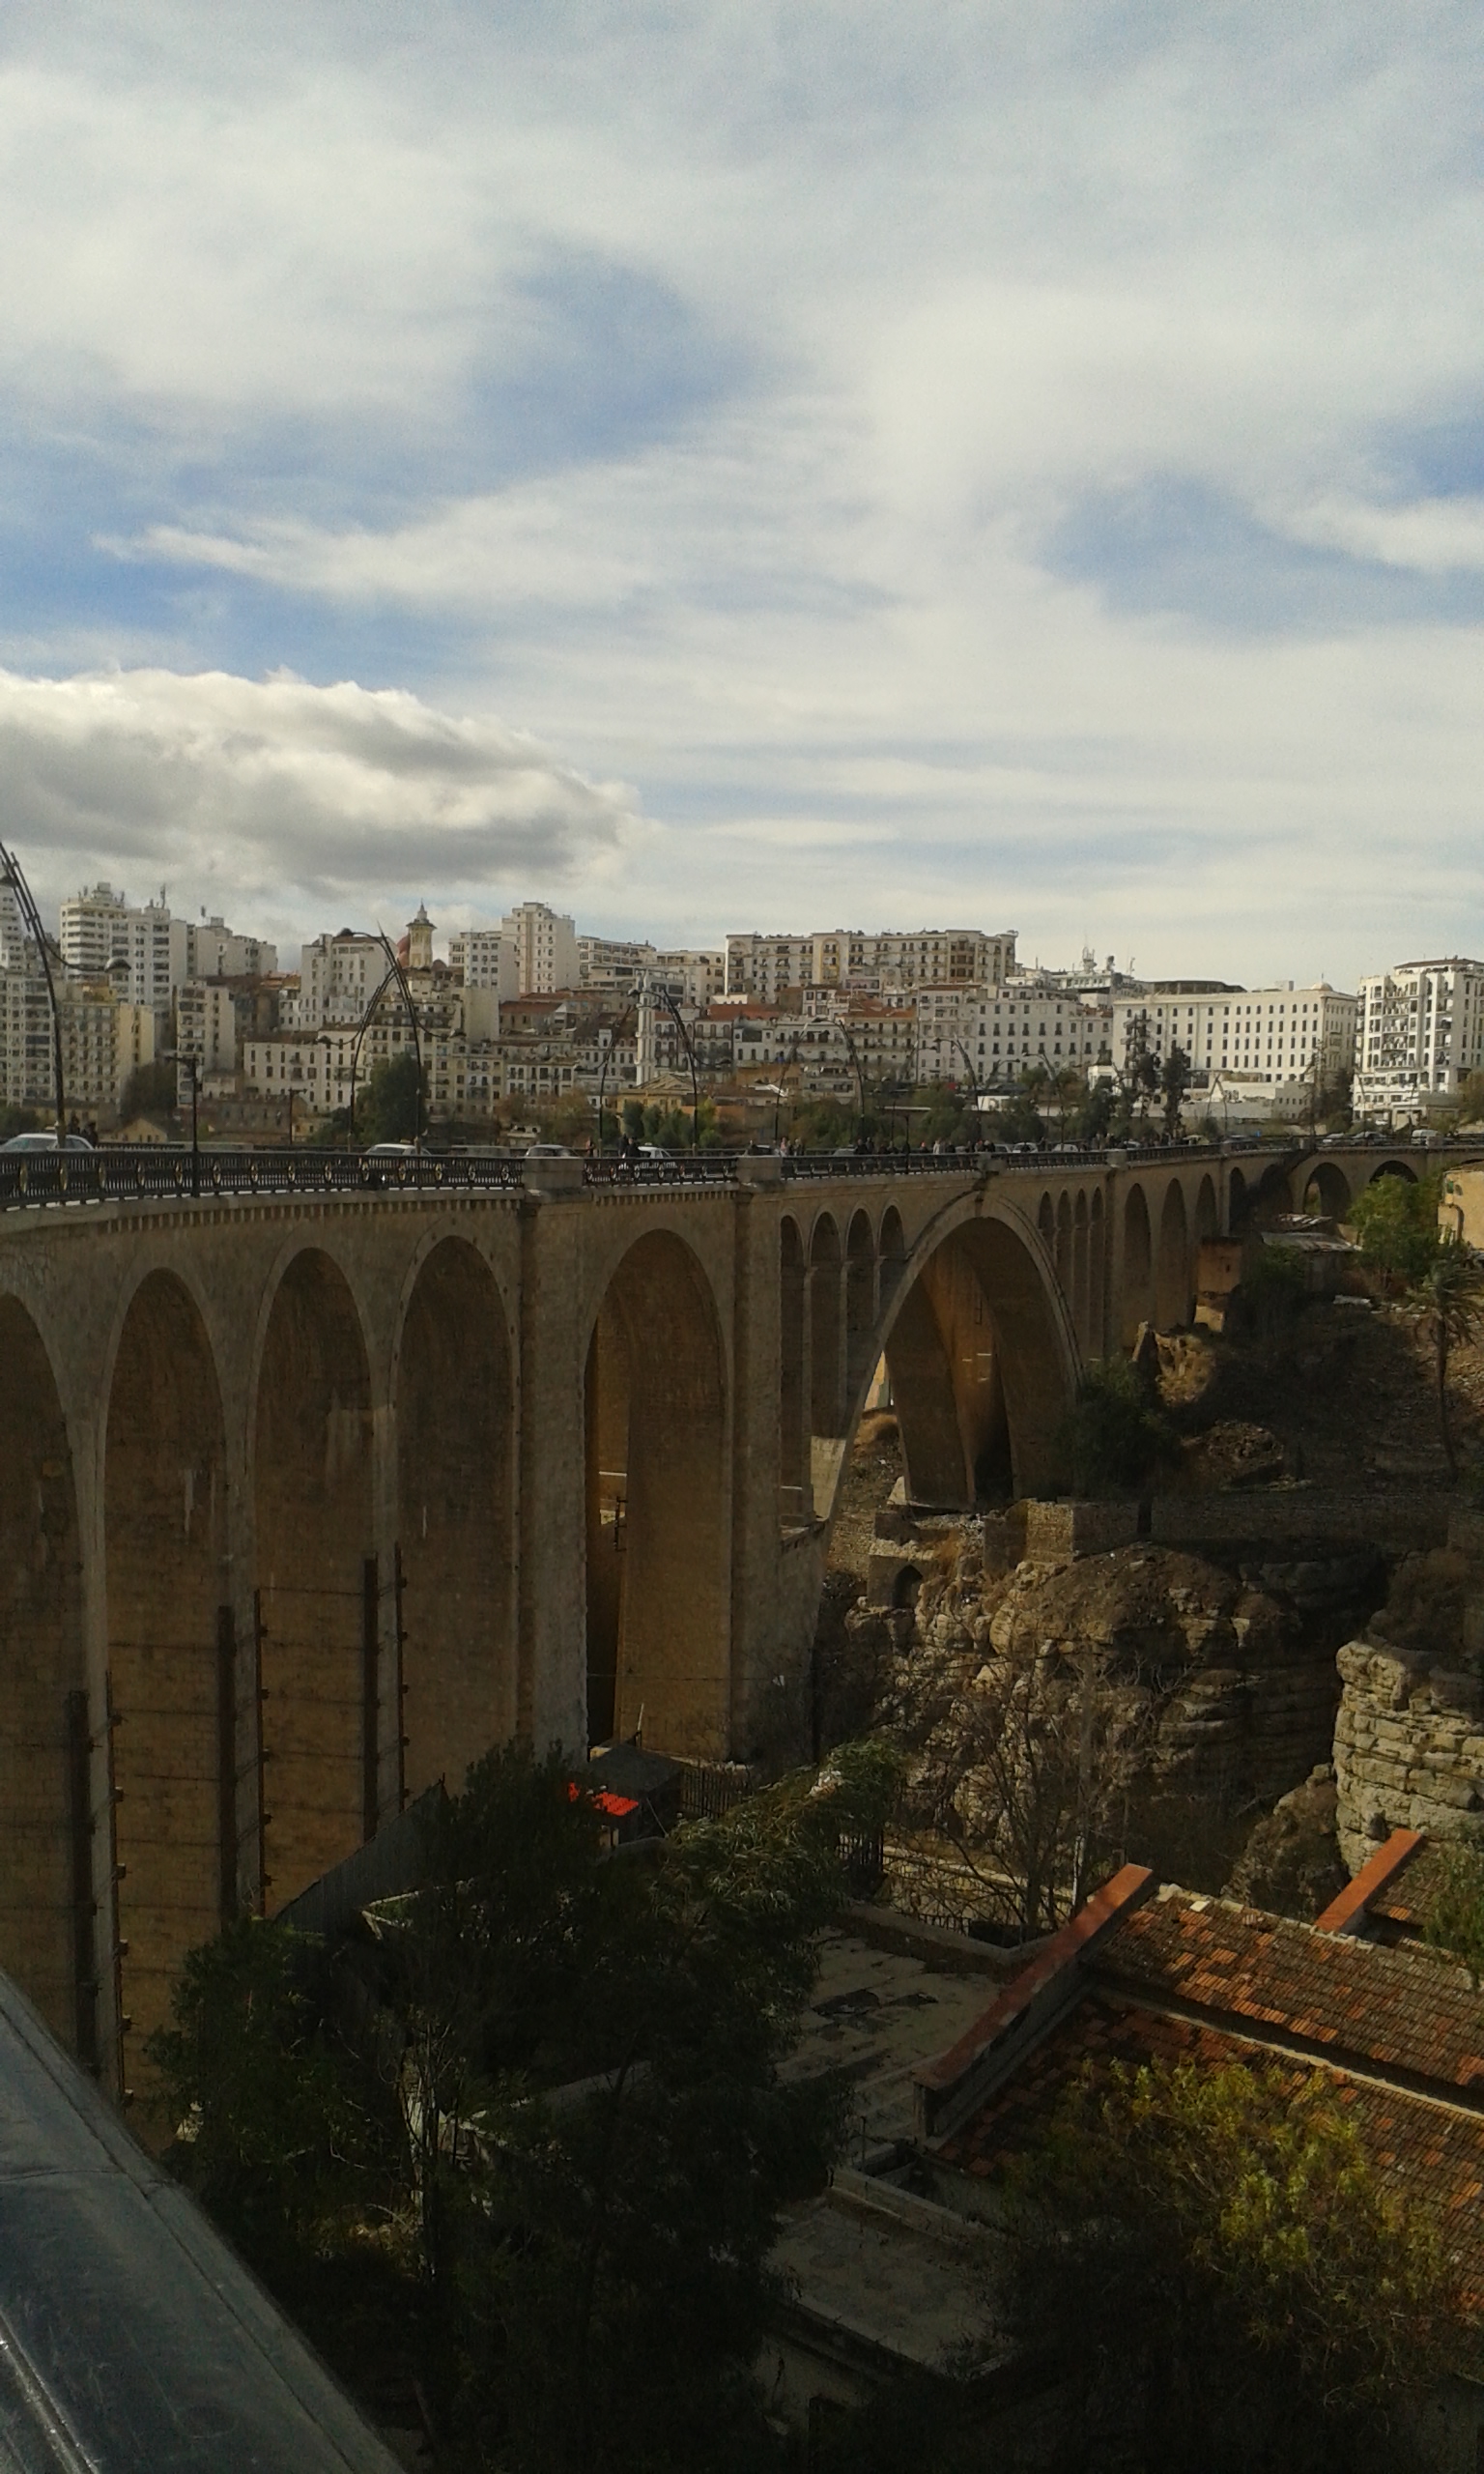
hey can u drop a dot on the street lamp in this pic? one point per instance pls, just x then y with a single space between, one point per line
188 1058
12 874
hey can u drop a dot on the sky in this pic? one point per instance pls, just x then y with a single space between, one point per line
738 466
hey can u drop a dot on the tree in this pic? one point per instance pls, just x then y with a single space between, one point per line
1396 1221
390 1106
1454 1920
150 1091
557 2119
1115 1437
1444 1279
1213 2257
1450 1300
1174 1083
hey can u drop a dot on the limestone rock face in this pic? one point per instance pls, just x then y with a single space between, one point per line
1241 1703
1408 1739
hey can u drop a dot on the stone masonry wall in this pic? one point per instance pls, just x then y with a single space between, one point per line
1409 1737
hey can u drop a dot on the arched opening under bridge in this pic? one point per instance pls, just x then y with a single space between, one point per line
1328 1190
658 1549
1172 1284
982 1369
320 1588
46 1932
455 1471
1139 1266
172 1654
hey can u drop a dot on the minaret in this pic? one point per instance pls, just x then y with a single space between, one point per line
420 940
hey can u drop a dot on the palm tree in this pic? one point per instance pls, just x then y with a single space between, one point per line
1451 1294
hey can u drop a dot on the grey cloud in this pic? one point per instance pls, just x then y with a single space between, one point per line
282 793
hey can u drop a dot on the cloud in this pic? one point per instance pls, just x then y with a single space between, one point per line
296 804
1433 537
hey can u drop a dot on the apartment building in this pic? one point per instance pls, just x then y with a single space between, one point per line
485 957
545 942
103 1038
891 961
1420 1032
992 1034
106 937
1266 1046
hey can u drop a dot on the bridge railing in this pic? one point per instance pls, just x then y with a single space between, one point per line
165 1172
116 1172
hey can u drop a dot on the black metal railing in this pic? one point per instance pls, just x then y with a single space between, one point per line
156 1172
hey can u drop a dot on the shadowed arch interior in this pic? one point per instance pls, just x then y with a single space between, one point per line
319 1585
1138 1265
1093 1341
860 1302
171 1652
1328 1190
658 1552
1172 1286
1393 1169
891 1249
46 1888
982 1371
794 1505
1207 1220
826 1331
455 1470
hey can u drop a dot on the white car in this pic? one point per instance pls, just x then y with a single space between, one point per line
46 1142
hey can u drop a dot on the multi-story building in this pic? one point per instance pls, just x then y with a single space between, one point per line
338 976
991 1035
209 949
765 967
545 942
103 1038
1420 1032
485 957
205 1026
103 936
1266 1047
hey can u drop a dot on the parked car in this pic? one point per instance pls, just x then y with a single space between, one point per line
547 1151
46 1142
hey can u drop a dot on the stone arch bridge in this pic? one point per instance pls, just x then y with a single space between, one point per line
309 1496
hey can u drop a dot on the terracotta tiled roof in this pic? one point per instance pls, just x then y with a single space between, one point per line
1401 2013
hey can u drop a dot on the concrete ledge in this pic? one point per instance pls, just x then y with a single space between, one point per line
552 1177
944 1951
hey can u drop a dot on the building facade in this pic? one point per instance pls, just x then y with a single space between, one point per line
1419 1034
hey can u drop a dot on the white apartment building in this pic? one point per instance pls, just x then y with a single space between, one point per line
1268 1046
209 949
103 935
485 957
545 942
996 1033
12 930
1420 1030
338 975
616 963
765 968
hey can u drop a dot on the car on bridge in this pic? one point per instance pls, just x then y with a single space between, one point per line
46 1142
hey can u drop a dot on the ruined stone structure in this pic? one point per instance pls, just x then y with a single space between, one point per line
1409 1739
308 1500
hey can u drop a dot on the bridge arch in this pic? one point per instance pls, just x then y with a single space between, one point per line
455 1410
658 1598
861 1351
795 1506
1079 1272
1097 1277
1139 1299
1393 1169
320 1588
983 1360
826 1338
1172 1280
47 1940
172 1662
1328 1190
892 1249
1207 1216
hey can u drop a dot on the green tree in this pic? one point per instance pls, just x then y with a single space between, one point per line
1114 1438
1396 1221
1443 1278
1213 2257
150 1091
1454 1919
560 2113
1449 1297
1174 1083
390 1106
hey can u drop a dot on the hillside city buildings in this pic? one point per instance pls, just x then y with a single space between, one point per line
516 1018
